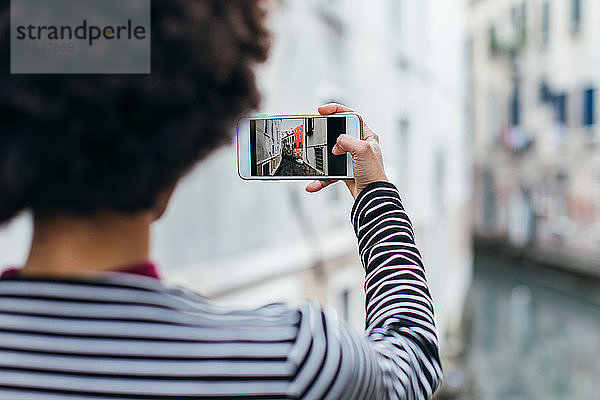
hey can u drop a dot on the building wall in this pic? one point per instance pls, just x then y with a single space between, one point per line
318 140
274 127
268 147
402 67
263 142
537 168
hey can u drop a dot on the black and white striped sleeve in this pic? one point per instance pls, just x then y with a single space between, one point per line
397 357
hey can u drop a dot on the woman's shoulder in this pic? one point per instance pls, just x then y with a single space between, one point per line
142 306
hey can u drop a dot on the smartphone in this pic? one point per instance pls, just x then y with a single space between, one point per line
286 147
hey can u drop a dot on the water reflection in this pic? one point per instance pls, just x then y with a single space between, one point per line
533 332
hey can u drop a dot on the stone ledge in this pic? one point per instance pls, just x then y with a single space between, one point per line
552 258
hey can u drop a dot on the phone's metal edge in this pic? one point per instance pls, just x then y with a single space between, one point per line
237 149
304 178
300 116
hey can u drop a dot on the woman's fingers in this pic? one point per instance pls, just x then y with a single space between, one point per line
367 161
333 108
318 185
327 109
348 144
368 134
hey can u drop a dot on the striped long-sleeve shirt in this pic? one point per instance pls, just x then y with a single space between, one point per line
125 336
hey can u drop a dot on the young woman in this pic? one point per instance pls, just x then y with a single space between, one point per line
95 158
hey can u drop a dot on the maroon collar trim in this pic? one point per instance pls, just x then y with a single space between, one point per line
146 268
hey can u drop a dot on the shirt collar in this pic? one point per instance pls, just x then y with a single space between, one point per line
146 268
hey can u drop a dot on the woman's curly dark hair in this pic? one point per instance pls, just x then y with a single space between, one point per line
83 144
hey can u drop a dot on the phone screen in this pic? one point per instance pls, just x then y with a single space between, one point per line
282 147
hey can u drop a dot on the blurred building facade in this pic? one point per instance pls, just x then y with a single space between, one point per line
535 73
401 64
535 85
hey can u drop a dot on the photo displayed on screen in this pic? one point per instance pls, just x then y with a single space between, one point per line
296 147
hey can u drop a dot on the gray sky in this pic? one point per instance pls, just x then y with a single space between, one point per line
288 124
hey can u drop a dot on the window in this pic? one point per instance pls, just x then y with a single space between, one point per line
575 15
494 48
560 108
310 126
545 93
589 107
562 194
515 107
546 22
489 200
319 158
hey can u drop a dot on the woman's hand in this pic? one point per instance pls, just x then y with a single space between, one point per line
367 161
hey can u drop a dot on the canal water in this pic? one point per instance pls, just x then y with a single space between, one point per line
531 332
